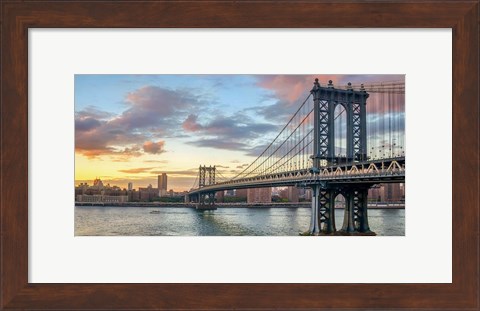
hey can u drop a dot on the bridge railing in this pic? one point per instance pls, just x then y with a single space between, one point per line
389 168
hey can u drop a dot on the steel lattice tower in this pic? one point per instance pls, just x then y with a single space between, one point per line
325 100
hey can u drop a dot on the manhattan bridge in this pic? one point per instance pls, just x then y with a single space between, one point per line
328 146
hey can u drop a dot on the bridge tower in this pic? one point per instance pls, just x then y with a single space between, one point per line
325 99
206 177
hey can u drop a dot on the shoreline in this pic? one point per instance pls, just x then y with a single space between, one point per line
226 205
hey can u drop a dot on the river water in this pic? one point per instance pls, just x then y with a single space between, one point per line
183 221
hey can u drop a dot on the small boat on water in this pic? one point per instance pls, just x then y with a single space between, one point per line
154 212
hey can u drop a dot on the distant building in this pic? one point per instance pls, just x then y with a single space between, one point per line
308 194
98 189
259 195
162 185
147 194
305 194
393 192
376 194
387 193
241 193
220 196
97 198
290 193
97 183
133 196
130 186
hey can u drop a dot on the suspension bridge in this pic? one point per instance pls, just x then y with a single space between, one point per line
340 141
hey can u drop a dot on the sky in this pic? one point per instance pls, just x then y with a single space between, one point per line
130 128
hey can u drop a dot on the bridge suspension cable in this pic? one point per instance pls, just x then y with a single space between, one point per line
265 159
220 175
292 148
195 183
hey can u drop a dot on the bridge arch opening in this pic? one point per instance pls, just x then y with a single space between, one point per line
340 201
340 133
340 204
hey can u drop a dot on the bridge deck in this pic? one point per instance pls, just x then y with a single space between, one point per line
377 171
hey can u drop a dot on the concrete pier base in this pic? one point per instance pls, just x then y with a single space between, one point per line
205 207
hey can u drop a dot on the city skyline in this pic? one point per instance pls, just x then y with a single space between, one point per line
132 128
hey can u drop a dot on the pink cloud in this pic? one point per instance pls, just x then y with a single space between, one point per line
191 125
154 147
287 87
291 90
291 87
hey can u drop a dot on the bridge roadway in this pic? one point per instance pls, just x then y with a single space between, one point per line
391 170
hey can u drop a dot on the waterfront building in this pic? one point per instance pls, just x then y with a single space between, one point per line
308 194
130 186
133 195
377 194
259 195
162 185
98 198
220 196
147 194
393 193
387 193
290 193
241 193
98 188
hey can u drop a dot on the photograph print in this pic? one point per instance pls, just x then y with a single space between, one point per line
239 155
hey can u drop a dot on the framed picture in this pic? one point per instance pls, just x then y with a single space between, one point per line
82 127
264 168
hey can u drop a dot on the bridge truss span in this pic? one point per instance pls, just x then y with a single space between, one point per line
371 172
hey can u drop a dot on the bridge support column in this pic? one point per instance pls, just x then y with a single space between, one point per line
360 208
314 219
348 219
206 201
326 210
355 219
323 211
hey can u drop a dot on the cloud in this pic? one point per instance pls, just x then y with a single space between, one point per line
138 170
85 124
152 114
218 144
190 124
237 132
385 103
290 91
255 151
188 172
287 88
155 107
152 171
154 147
93 112
155 161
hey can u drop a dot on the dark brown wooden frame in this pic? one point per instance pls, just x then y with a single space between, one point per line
19 16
